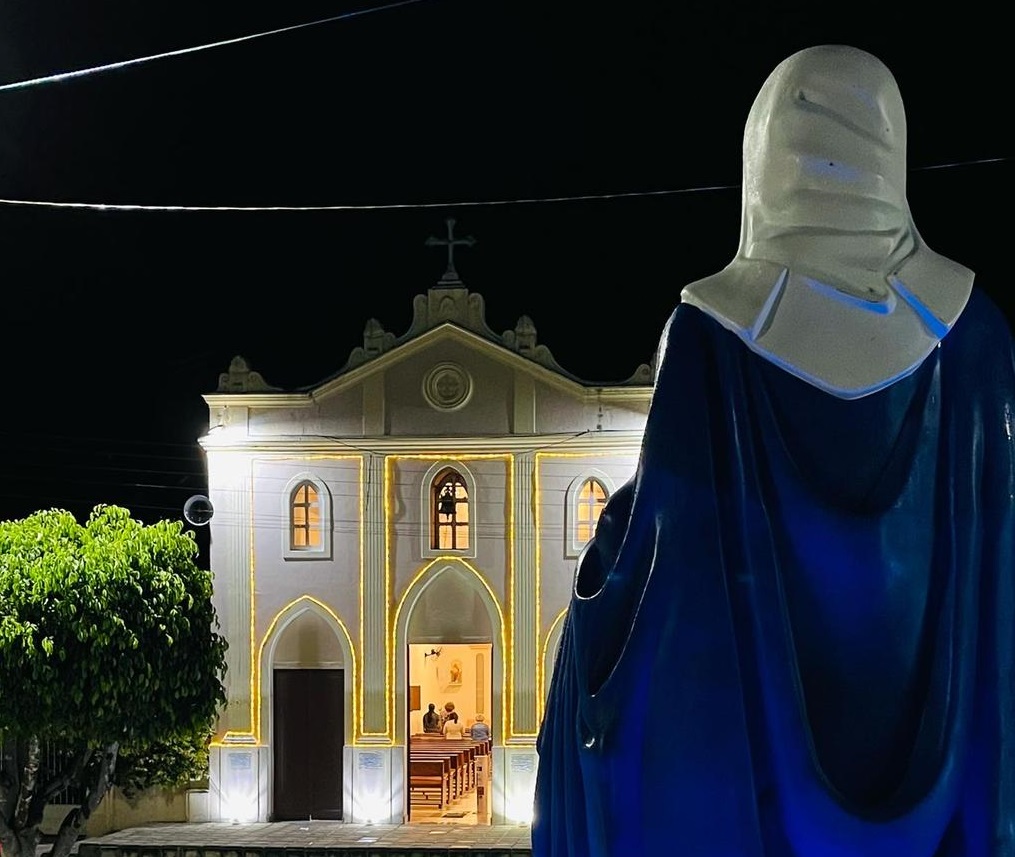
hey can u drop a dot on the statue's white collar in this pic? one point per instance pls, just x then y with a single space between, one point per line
842 344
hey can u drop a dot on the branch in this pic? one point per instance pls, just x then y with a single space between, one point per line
67 835
105 779
57 785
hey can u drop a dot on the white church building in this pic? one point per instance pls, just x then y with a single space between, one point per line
404 532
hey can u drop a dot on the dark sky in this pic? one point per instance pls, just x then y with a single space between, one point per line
591 149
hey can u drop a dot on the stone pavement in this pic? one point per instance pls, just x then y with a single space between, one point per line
310 839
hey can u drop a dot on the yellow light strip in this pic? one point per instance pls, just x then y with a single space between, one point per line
542 661
511 574
250 735
348 637
388 518
255 697
508 717
358 707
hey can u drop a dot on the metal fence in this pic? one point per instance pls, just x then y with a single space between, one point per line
51 764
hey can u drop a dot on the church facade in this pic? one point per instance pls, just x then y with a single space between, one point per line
404 532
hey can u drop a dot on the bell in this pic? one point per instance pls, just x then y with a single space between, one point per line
446 502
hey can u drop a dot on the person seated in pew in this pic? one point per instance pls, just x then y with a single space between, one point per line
446 713
480 730
453 727
432 720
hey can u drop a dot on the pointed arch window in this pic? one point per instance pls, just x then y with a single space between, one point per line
305 509
305 518
449 498
588 506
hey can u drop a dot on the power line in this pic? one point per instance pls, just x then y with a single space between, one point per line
98 69
155 207
103 206
394 206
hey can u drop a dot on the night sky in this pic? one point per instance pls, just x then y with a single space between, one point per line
592 150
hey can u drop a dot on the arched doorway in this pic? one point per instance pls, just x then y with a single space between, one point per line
449 640
309 704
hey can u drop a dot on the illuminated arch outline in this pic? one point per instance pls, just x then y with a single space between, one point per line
547 659
502 693
266 655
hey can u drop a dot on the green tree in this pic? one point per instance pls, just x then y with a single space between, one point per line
110 652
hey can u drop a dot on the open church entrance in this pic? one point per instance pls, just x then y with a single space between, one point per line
449 659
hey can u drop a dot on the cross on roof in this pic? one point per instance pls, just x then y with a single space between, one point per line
450 275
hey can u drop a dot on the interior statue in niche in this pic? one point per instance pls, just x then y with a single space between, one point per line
792 635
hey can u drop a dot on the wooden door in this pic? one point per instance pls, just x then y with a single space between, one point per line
309 729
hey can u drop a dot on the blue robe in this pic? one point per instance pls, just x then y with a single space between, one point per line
792 635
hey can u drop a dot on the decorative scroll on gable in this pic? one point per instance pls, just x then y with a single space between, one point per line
523 338
376 340
242 379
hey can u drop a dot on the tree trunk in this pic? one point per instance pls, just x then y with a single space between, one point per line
22 802
19 827
21 843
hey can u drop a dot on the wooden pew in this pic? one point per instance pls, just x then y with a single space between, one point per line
461 751
455 757
473 748
430 778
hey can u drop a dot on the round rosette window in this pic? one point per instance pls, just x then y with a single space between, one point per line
447 386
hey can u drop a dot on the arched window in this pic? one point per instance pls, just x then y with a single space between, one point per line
305 508
449 512
305 518
588 506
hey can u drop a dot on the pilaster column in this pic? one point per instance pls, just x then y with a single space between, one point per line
523 603
374 653
230 558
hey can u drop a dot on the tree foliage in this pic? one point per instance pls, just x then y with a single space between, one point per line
110 651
